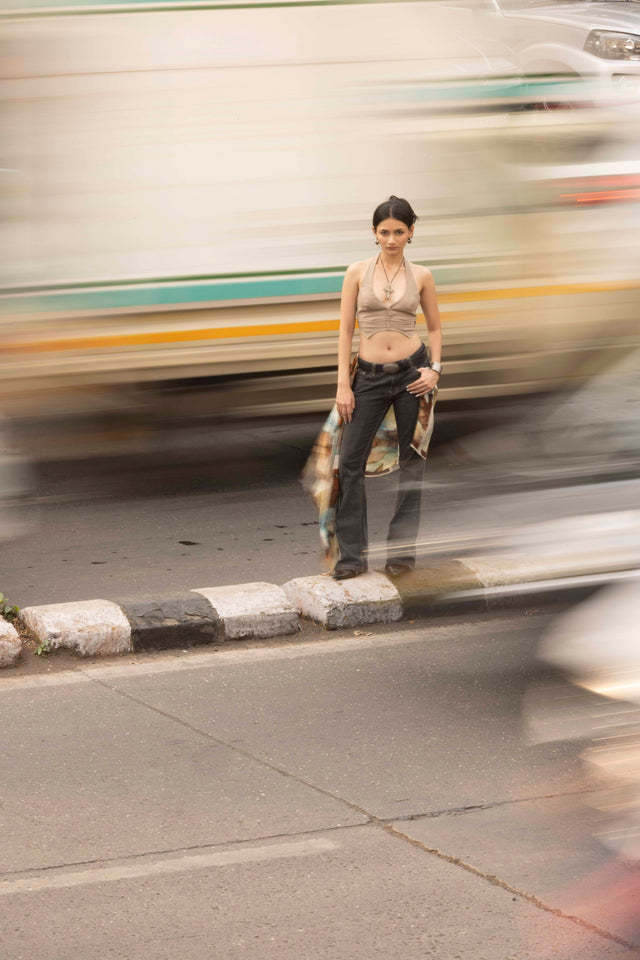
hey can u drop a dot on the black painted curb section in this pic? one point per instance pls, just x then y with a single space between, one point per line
432 586
180 620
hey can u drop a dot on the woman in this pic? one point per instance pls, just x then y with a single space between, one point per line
392 368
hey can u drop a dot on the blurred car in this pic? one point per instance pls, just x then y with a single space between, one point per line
587 39
596 699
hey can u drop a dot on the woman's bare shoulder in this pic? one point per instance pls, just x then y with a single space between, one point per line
424 277
357 270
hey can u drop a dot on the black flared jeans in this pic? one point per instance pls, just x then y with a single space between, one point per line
374 391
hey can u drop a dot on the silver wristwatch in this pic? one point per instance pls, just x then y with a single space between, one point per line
436 366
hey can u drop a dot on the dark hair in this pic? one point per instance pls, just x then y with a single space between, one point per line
395 208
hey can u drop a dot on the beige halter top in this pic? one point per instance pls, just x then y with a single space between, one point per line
375 316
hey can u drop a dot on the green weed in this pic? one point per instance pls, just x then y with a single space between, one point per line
8 611
43 649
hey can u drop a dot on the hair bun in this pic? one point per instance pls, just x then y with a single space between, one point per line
395 208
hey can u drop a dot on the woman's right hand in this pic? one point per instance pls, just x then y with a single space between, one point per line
345 402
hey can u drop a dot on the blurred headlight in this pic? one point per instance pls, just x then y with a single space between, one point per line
610 45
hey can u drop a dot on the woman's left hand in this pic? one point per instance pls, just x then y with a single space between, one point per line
425 383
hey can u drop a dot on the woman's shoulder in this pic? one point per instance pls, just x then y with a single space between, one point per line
419 270
359 265
423 276
357 270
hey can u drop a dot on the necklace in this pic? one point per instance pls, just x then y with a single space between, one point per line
388 289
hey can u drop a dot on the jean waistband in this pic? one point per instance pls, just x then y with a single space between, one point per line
396 366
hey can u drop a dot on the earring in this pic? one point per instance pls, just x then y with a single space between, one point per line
377 241
409 240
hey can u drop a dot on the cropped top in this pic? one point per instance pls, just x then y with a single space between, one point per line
374 316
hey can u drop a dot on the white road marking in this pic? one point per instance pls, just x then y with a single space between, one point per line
63 878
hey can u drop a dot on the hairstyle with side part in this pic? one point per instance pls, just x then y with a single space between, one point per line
395 208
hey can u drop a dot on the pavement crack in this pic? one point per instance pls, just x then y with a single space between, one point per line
475 807
510 888
230 745
387 825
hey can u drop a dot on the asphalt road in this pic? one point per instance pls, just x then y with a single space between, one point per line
362 795
224 506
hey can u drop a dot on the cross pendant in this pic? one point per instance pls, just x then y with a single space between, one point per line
388 290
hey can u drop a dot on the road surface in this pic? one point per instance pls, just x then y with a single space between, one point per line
369 794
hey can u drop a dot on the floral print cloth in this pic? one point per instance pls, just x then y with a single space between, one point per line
320 474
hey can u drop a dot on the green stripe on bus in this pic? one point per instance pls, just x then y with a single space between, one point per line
131 297
116 295
89 285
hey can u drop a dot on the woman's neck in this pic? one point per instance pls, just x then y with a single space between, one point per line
390 263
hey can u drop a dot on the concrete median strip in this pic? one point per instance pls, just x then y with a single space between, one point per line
261 610
159 624
369 598
89 627
204 615
252 610
10 644
433 582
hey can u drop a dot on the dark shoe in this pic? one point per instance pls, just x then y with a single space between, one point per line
347 573
397 569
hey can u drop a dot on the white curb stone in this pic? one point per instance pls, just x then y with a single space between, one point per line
10 644
368 598
511 568
252 610
90 627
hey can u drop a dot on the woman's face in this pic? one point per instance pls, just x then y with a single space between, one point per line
392 236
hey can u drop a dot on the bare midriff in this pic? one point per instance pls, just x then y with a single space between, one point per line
387 346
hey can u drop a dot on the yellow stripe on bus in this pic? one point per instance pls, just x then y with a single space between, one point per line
172 336
313 326
552 290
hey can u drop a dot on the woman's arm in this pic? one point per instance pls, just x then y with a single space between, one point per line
429 303
345 400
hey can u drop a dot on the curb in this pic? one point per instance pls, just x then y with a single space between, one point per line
212 615
203 615
10 644
369 598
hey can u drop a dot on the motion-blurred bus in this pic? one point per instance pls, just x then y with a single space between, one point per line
184 187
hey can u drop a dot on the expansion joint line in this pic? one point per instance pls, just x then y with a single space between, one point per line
509 888
382 824
490 805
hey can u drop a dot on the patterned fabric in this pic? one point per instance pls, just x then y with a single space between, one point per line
320 473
